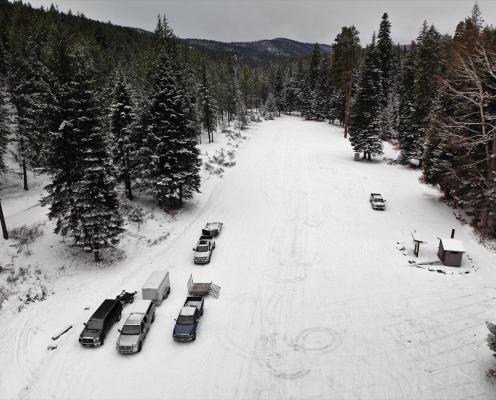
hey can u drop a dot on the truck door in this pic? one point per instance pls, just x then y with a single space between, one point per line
190 283
214 291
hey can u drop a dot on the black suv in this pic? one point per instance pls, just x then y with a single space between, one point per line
100 323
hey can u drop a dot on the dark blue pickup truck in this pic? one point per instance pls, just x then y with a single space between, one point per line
186 326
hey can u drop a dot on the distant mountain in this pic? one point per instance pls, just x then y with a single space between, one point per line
261 49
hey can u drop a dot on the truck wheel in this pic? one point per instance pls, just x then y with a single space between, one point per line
139 346
194 338
119 317
101 341
153 318
132 300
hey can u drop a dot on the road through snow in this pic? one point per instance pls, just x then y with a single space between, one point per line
316 301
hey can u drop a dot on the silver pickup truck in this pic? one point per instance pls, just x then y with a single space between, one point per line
136 327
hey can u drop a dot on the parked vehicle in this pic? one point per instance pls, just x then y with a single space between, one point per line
156 287
203 289
101 321
377 202
126 297
136 327
212 228
203 250
186 326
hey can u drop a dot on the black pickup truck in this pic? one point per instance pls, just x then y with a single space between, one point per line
186 326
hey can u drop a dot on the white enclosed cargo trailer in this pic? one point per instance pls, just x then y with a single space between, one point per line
156 287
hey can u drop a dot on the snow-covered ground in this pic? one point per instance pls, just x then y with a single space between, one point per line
318 297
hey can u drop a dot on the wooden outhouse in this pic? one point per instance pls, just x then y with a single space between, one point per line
450 252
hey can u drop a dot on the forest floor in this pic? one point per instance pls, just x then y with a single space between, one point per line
321 296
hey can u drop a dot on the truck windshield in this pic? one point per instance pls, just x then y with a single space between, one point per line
94 324
186 320
130 330
202 248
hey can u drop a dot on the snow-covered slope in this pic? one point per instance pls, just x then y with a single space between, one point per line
318 298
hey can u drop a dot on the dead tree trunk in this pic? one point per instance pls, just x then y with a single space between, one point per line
2 222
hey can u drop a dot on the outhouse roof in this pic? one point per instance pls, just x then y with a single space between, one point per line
452 245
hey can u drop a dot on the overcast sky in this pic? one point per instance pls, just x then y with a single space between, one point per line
303 20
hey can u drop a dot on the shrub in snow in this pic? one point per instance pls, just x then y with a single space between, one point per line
133 212
219 158
491 337
25 236
136 215
208 167
20 275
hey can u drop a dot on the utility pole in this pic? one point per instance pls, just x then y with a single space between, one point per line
347 108
2 222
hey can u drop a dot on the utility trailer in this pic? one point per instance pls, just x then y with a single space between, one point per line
212 229
157 287
203 288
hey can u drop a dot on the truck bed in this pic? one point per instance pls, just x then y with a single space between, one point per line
195 301
200 289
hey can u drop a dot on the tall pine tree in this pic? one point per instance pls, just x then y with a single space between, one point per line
364 125
81 196
208 105
121 123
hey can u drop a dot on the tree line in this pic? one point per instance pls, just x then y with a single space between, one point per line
99 108
103 108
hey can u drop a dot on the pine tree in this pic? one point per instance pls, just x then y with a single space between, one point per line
208 105
385 54
408 138
279 90
314 68
121 121
271 107
170 146
33 100
322 92
290 91
345 61
81 196
428 68
364 125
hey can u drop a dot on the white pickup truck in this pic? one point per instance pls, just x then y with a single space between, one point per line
377 202
203 249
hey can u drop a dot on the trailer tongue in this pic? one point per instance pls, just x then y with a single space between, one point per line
203 288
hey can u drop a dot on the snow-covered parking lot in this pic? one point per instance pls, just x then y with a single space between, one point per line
318 299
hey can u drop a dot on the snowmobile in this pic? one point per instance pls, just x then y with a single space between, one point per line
126 297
